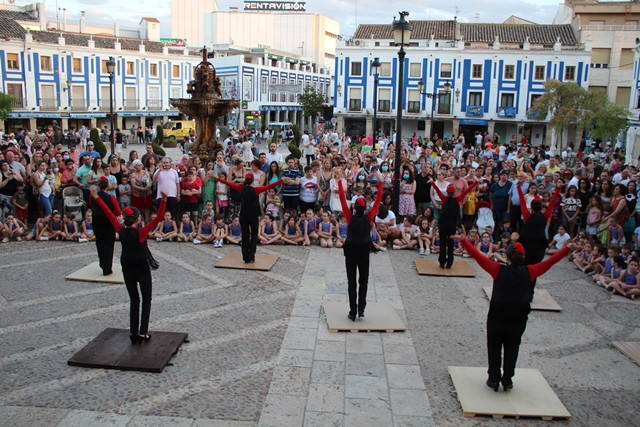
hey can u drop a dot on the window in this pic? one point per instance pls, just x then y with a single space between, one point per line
12 61
413 101
103 66
384 100
623 95
570 72
176 71
153 70
356 68
15 90
475 98
263 83
626 59
445 71
414 69
385 69
131 69
77 65
355 99
509 72
534 98
538 73
507 100
176 92
600 57
45 63
444 103
476 71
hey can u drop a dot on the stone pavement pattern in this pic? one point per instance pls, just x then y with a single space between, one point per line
260 351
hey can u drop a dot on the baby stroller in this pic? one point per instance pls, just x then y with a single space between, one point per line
485 216
73 201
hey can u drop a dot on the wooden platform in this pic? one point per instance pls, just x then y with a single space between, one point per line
542 300
112 349
630 348
430 267
531 395
264 262
93 273
378 317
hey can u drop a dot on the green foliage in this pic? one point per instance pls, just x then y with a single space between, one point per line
312 102
94 136
297 135
158 149
159 134
274 137
294 144
570 105
6 105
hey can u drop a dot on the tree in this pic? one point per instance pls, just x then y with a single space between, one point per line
312 102
98 145
6 105
294 144
610 119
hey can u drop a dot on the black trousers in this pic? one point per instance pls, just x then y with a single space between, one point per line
105 244
249 226
134 275
357 263
445 258
503 334
515 216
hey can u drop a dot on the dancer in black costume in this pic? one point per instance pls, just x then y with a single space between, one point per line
102 228
134 261
449 220
509 307
249 212
532 232
357 246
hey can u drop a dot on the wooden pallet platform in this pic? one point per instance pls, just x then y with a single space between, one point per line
264 262
531 397
379 317
431 267
93 273
542 300
630 348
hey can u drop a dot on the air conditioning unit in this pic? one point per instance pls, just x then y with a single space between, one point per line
145 108
94 108
120 108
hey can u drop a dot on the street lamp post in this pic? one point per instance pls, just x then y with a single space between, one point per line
375 66
433 96
401 36
111 68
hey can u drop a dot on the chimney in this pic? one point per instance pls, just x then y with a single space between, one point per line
82 21
116 29
64 19
61 40
117 45
28 37
42 17
91 43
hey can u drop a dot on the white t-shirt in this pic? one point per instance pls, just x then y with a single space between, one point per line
309 189
390 216
561 240
274 157
309 145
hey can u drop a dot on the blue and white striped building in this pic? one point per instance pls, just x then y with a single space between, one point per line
495 71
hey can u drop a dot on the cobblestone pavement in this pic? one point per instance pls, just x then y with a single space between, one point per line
260 351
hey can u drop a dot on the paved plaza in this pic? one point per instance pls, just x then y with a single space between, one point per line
260 352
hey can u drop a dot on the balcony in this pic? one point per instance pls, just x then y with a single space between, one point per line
18 103
475 111
131 104
384 105
355 105
507 112
154 104
79 104
413 107
48 104
532 115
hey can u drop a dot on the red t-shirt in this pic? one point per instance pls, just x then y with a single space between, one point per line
195 185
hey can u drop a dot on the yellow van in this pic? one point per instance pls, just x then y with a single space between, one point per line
178 128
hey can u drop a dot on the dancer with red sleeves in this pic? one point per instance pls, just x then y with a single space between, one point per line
509 307
449 220
249 212
134 261
357 246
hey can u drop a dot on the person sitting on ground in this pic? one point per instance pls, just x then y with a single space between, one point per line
408 234
485 246
55 228
596 261
235 231
220 232
628 284
71 231
292 234
87 227
269 233
500 253
205 231
425 236
604 272
308 224
559 241
187 230
166 230
617 267
325 231
12 228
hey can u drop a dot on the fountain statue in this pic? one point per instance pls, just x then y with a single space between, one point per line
205 106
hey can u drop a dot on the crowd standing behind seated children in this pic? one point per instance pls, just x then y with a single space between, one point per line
596 205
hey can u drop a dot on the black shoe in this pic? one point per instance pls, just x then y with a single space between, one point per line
507 385
134 339
142 338
107 272
352 316
361 313
449 265
494 385
442 266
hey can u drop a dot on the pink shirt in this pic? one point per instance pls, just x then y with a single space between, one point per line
168 181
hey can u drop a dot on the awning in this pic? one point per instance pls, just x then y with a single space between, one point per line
34 115
474 122
87 115
150 114
303 62
280 108
276 57
291 60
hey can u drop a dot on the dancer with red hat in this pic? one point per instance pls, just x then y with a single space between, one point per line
250 211
449 221
357 246
510 305
102 228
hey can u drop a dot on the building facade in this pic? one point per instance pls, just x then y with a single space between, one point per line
495 72
632 136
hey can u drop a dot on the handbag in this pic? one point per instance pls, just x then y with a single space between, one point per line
153 263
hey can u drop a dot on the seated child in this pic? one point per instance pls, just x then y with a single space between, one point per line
205 231
166 230
13 229
55 228
71 231
604 272
220 232
87 228
435 243
235 231
20 201
616 232
596 261
617 267
583 258
559 241
471 237
425 235
628 284
325 231
292 233
308 225
187 231
341 230
208 209
40 229
376 241
408 234
500 253
485 246
272 204
268 233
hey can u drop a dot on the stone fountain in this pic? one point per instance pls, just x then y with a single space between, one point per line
205 107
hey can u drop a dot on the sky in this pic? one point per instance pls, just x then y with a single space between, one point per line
349 13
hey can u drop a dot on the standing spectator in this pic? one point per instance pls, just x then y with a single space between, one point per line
168 182
291 190
499 197
308 189
309 147
149 154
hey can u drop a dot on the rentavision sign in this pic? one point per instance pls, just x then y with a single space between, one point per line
285 6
